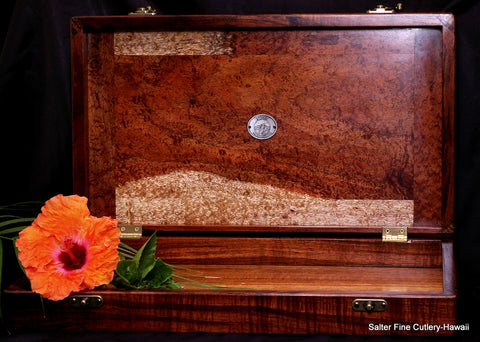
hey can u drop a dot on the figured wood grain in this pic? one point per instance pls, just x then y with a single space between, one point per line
276 21
322 231
191 113
80 126
300 300
449 271
100 133
317 278
334 42
287 251
265 312
429 147
172 43
448 59
394 38
201 198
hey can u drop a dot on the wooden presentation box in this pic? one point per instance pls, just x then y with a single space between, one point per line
303 161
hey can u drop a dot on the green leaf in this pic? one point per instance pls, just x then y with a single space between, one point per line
144 270
126 251
171 284
28 205
121 282
127 270
158 275
16 254
12 230
198 283
1 270
125 254
145 258
18 220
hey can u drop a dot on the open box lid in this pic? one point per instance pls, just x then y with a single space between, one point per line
318 123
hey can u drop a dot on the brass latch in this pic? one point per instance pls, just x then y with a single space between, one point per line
128 231
85 301
394 234
383 9
144 11
369 305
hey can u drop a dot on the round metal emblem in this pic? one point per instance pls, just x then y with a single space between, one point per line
262 126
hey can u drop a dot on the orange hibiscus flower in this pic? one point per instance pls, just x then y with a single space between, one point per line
67 250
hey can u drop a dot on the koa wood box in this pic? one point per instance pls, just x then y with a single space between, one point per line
305 161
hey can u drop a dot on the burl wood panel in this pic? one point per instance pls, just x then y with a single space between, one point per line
334 139
203 198
345 117
172 43
365 111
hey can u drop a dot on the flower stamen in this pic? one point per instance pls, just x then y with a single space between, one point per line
73 257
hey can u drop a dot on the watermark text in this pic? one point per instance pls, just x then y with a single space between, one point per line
419 327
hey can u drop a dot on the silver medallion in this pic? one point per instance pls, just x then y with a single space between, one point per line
262 126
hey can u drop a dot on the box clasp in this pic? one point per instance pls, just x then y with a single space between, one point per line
369 305
394 234
85 301
129 231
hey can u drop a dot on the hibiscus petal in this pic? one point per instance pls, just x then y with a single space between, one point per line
53 284
35 249
63 215
104 238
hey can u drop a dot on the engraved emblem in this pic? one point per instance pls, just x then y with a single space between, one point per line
262 126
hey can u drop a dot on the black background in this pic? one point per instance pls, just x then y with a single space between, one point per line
35 117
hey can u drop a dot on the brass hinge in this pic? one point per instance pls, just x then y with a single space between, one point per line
381 9
129 231
144 11
394 234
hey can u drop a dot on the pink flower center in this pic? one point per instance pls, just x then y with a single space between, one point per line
73 256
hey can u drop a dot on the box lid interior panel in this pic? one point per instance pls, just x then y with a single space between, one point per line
360 120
